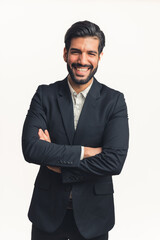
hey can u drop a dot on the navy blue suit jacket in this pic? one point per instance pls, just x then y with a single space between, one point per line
103 123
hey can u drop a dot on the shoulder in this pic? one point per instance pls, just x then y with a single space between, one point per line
109 93
111 97
51 86
50 89
105 90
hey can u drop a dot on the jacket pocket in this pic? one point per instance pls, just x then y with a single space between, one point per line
103 188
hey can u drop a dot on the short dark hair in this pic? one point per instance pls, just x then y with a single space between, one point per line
84 29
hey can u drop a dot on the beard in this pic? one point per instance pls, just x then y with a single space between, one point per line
81 81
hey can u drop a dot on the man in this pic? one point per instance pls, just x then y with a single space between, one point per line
77 131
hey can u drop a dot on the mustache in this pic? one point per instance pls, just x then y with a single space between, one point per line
76 65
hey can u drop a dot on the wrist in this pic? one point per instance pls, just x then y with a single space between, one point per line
86 152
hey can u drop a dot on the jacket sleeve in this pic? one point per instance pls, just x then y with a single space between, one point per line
41 152
114 150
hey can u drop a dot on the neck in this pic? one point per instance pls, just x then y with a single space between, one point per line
79 87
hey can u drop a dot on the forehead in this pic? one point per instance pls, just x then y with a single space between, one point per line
85 43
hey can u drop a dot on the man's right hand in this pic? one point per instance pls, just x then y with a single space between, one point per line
46 137
89 151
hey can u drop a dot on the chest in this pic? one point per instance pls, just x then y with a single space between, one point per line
90 125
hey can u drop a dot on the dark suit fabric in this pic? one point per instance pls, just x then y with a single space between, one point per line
67 231
103 122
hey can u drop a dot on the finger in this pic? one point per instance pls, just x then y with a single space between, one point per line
42 135
55 169
47 134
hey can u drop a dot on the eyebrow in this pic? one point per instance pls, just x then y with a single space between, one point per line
78 50
92 52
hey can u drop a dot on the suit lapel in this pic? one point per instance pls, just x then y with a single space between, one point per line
88 112
66 109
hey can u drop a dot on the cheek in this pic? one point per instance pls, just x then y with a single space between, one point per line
71 59
95 63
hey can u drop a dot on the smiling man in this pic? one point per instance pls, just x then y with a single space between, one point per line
77 131
82 59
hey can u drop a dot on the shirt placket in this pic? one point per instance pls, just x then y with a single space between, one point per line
77 107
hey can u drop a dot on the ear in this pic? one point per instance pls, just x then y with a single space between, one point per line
65 54
100 56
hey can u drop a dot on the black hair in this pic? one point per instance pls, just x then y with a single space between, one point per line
84 29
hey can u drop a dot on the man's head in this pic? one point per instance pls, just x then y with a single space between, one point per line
84 42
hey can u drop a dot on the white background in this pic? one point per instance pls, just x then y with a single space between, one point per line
31 49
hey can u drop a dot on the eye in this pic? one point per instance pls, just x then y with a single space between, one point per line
92 54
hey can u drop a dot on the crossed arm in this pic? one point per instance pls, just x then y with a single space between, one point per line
107 160
88 151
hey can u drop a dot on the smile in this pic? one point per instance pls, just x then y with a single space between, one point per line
82 69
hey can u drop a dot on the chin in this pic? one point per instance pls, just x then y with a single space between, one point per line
80 81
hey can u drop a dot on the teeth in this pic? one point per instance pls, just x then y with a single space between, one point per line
82 69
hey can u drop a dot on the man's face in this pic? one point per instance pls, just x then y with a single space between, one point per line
82 59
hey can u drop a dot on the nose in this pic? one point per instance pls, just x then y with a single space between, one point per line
82 59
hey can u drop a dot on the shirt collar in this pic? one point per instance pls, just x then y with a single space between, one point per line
84 92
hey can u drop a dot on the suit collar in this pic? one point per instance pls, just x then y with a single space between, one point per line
65 91
84 92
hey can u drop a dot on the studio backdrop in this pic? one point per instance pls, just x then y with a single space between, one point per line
31 53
